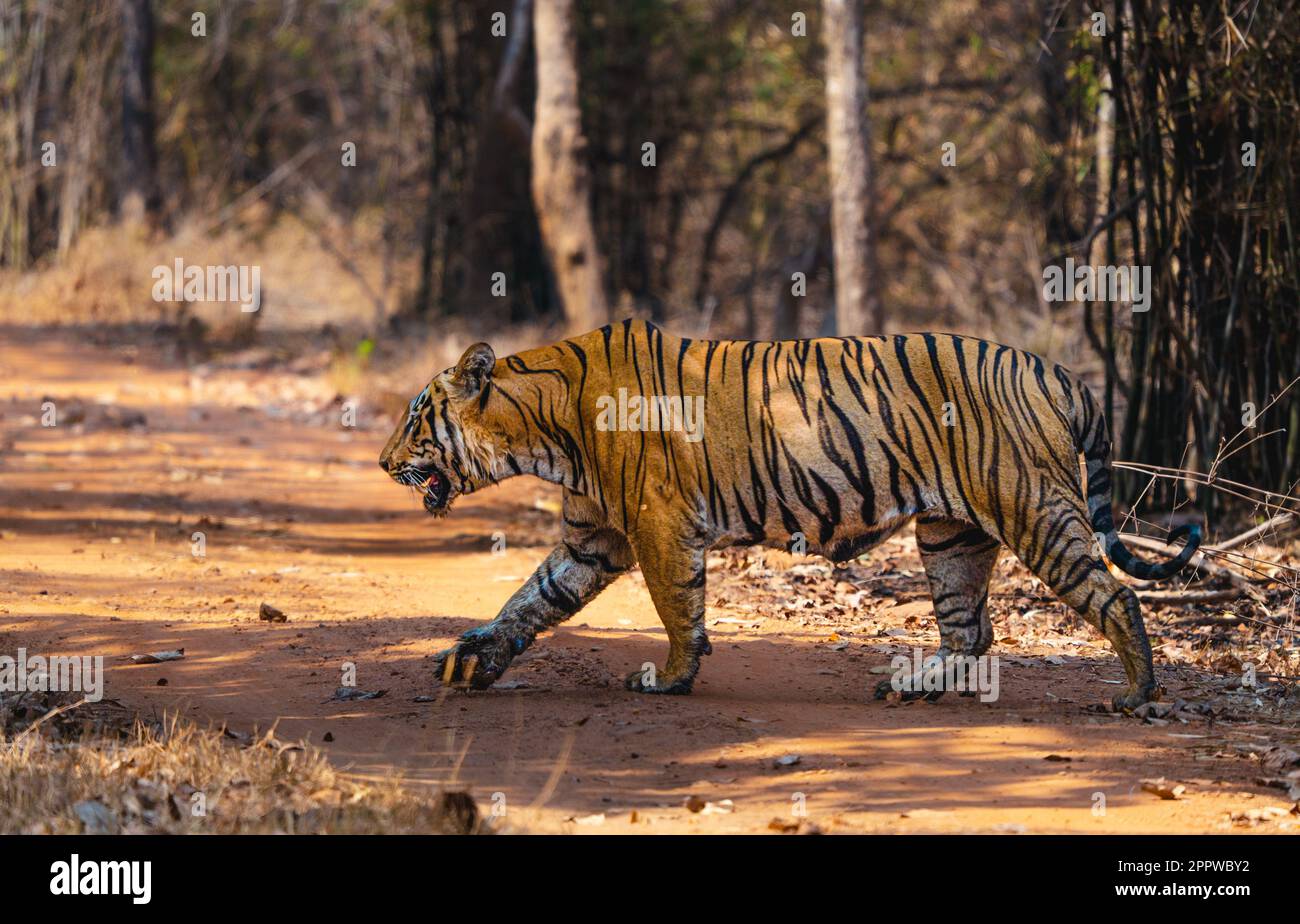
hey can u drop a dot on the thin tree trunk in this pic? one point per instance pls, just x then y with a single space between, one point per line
140 197
1054 126
25 54
87 130
788 305
507 82
434 94
561 175
858 308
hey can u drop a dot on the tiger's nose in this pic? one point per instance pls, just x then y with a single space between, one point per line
383 461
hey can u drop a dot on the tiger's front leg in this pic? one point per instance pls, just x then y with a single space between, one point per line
674 575
589 557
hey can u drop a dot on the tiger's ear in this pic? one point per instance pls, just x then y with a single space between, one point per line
473 371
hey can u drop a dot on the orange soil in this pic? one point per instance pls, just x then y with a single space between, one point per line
96 559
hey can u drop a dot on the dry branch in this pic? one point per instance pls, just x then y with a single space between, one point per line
1286 522
1178 597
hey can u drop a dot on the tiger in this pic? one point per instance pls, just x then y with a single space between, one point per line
837 442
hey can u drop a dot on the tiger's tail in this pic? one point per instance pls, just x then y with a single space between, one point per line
1092 437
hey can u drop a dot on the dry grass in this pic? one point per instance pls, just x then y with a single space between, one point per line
66 769
107 276
318 315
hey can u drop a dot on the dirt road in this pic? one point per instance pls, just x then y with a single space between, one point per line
100 555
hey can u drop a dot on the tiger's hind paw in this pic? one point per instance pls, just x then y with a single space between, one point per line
1133 697
885 687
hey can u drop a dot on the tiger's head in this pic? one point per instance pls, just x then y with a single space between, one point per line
445 447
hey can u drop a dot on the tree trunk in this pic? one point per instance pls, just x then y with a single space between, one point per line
1058 20
140 197
22 57
858 308
78 171
561 174
435 94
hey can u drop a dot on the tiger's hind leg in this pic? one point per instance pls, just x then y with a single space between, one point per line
959 559
1059 547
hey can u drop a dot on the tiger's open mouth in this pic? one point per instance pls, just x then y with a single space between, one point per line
434 488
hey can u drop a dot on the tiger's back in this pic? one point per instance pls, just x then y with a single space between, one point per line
834 439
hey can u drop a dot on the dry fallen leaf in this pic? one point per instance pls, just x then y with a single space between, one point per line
793 826
157 657
1163 788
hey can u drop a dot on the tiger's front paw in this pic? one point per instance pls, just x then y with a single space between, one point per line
479 657
648 680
